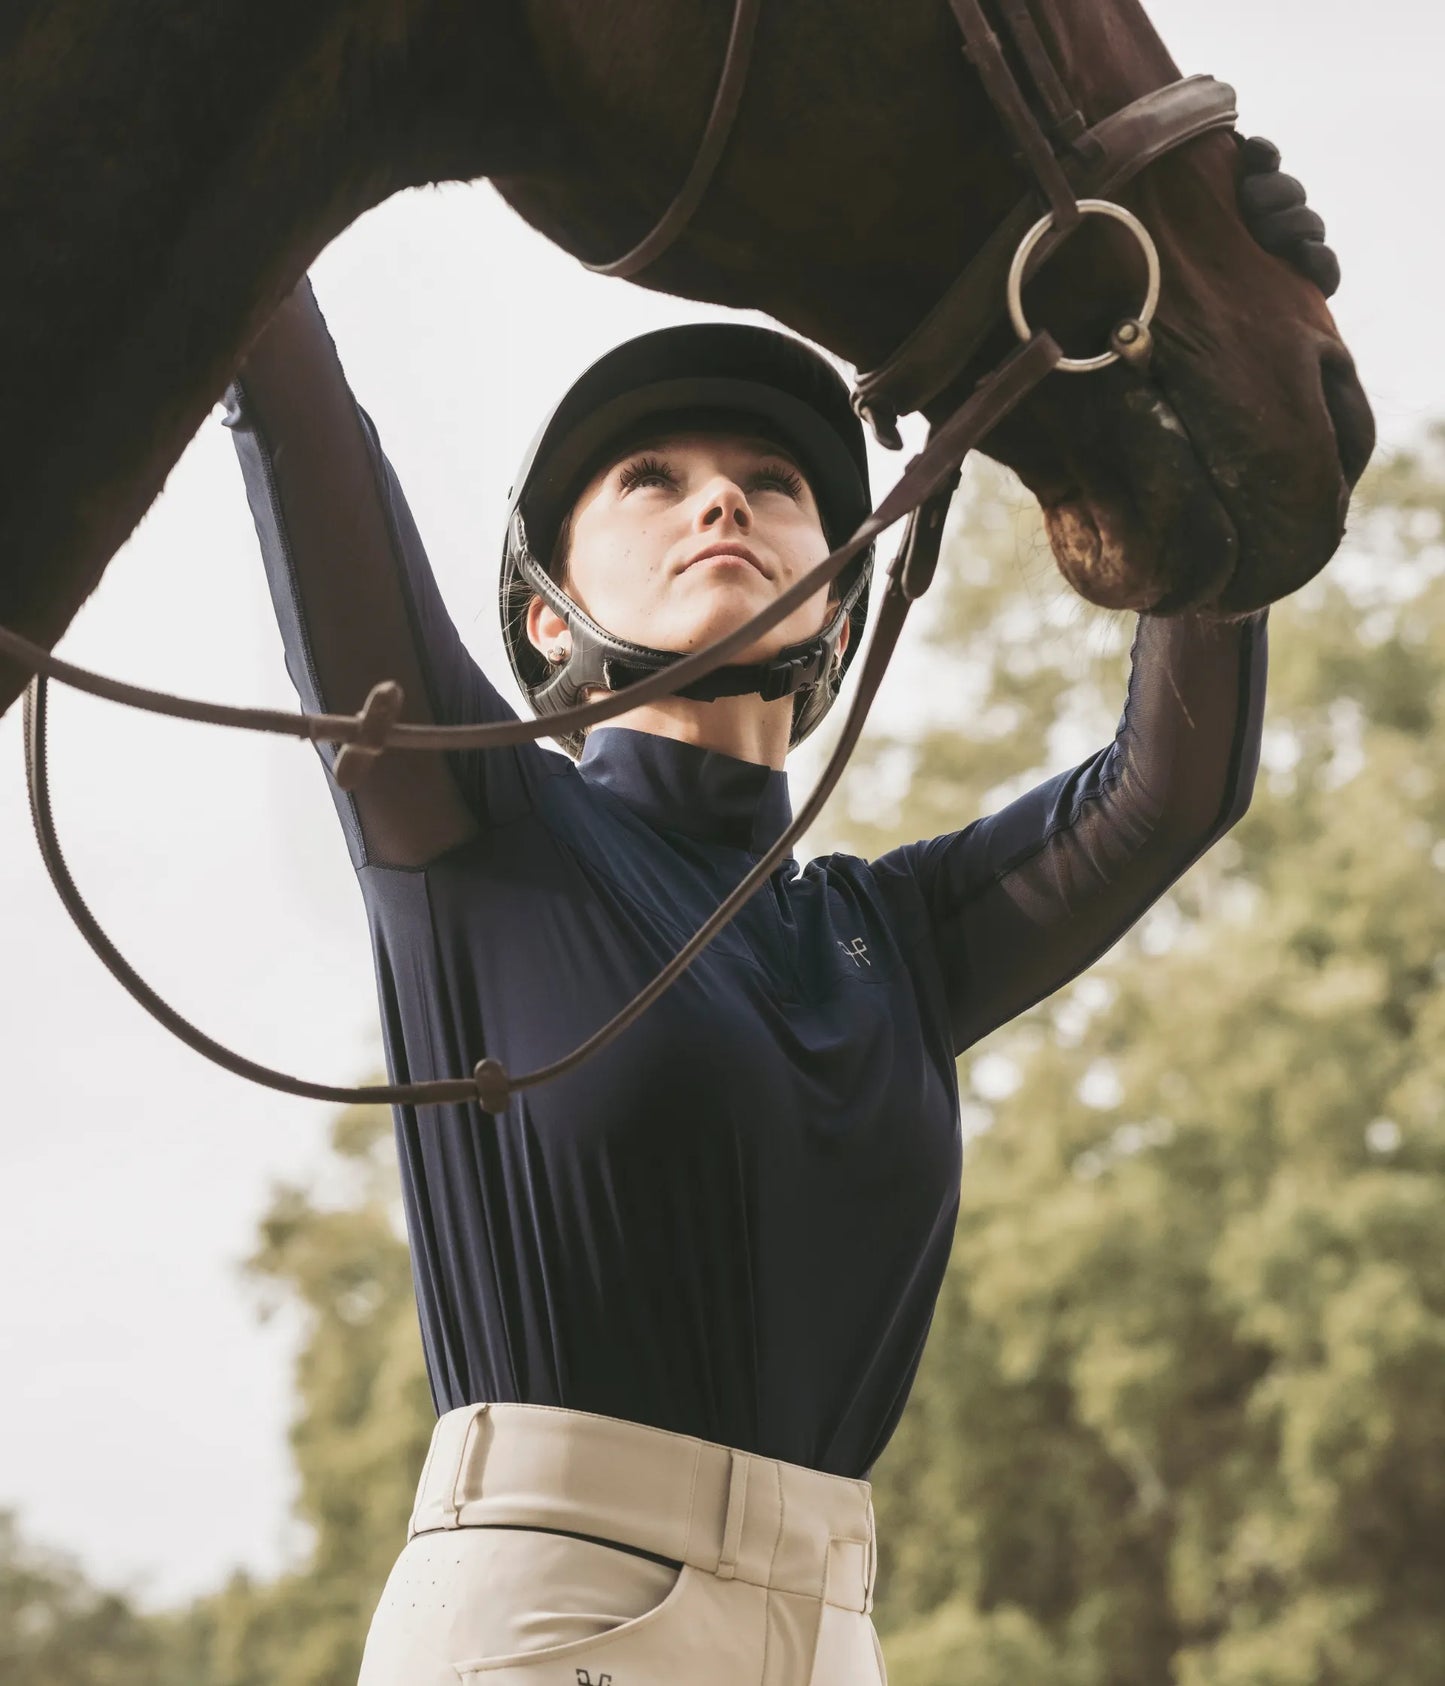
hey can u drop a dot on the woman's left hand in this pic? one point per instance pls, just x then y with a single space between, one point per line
1277 215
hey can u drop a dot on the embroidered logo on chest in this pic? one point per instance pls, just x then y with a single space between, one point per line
857 952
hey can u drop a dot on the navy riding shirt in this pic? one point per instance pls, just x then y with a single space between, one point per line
734 1220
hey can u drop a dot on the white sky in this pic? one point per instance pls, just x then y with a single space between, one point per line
143 1410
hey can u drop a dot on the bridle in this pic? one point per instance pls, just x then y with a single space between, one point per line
1072 167
1069 162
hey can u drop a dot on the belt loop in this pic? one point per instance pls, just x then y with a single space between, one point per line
733 1526
453 1505
870 1562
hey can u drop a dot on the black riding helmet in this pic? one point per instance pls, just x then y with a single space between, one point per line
714 375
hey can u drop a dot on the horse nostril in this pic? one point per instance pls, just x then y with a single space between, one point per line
1349 411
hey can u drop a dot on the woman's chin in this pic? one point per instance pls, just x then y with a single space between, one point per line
728 605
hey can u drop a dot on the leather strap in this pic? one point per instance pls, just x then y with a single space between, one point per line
981 47
1065 120
1112 153
917 558
124 973
933 469
710 150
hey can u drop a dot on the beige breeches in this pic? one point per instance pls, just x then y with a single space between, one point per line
774 1588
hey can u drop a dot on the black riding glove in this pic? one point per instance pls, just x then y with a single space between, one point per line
1275 212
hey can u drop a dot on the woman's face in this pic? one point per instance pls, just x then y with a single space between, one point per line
685 539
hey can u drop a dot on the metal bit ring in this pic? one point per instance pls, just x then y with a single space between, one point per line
1090 207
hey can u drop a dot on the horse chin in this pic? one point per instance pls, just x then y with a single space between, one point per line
1090 556
1114 560
1149 530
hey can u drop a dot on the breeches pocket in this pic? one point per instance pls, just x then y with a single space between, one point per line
483 1604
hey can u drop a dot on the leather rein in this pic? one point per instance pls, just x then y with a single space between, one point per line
1071 166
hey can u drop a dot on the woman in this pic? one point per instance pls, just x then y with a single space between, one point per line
673 1302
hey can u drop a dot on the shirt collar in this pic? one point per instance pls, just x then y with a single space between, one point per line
682 787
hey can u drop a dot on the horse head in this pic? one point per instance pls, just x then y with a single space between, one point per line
868 171
1221 477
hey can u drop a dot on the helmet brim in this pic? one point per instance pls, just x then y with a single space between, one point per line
754 373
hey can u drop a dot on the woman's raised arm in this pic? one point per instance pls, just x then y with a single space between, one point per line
354 593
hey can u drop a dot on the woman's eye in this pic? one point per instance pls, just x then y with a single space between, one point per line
781 479
654 471
646 471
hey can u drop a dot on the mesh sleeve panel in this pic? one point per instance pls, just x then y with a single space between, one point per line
1019 903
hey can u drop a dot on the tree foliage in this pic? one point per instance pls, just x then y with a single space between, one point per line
361 1428
56 1629
1179 1418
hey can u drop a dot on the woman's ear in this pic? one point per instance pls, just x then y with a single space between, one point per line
546 630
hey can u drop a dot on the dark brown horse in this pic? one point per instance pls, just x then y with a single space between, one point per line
169 168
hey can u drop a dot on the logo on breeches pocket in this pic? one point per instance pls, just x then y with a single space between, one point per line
857 953
585 1679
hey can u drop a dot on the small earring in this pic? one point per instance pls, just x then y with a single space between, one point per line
558 655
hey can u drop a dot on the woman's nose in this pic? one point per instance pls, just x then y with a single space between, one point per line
724 504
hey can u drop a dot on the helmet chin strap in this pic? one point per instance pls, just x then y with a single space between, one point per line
597 657
613 664
559 655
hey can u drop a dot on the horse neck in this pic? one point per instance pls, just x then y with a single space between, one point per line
167 187
820 214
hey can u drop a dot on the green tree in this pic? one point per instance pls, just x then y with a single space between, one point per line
361 1428
57 1629
1179 1419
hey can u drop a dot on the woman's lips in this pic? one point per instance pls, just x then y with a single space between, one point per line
737 555
726 562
